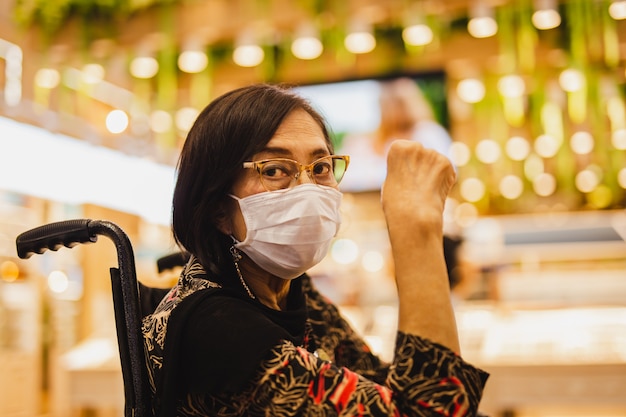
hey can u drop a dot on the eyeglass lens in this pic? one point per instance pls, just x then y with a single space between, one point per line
280 174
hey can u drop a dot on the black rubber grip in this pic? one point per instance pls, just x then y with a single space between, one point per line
53 236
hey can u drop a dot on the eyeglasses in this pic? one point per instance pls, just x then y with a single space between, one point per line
281 173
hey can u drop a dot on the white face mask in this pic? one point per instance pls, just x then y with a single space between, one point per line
290 231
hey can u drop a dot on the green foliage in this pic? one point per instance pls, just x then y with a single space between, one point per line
52 15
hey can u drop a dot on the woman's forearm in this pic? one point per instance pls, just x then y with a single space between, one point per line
413 198
423 289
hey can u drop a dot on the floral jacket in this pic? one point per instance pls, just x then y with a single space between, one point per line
213 351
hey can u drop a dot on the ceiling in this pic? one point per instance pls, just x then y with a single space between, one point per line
215 24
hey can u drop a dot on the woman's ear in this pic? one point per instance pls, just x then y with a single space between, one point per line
223 221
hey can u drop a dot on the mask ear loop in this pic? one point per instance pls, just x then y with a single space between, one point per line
236 254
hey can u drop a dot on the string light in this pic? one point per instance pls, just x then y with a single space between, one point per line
511 86
581 143
418 34
307 44
47 78
471 90
144 67
193 59
571 80
481 23
617 10
248 53
360 38
546 15
93 73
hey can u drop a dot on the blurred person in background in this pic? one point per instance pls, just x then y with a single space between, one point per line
405 113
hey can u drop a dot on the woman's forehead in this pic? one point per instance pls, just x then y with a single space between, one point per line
298 134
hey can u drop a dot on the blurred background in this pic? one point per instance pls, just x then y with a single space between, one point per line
96 98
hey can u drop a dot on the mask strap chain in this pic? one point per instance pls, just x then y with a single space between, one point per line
236 258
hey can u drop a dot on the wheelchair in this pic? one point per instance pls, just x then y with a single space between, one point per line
132 300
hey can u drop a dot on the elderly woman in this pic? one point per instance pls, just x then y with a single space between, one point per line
244 331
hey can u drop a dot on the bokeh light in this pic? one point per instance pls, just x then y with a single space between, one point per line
517 148
58 282
511 187
471 90
417 35
618 139
488 151
533 166
460 153
9 271
546 146
472 189
582 143
544 184
117 121
587 180
144 67
344 251
511 86
373 261
160 121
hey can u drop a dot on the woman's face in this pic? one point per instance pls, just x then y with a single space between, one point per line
299 138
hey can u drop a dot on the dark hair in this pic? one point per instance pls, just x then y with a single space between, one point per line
229 131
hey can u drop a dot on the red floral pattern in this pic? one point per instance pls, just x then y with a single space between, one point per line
425 379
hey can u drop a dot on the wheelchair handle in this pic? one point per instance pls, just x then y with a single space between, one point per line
53 236
70 233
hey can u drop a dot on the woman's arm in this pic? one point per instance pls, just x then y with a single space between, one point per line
413 197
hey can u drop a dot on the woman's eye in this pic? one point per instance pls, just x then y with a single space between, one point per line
322 168
275 171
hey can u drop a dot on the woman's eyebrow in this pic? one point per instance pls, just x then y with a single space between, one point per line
276 151
286 153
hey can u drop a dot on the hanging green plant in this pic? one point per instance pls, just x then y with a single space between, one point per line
52 15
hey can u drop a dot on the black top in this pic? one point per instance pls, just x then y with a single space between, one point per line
214 351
